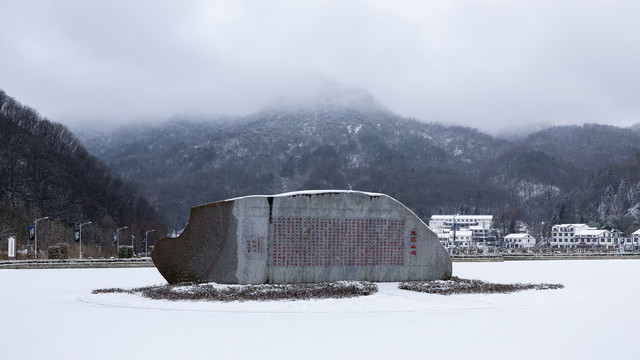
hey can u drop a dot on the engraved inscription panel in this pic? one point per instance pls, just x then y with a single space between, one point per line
337 242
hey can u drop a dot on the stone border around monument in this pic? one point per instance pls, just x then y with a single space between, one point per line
312 236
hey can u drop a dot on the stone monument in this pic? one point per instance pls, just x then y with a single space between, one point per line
310 236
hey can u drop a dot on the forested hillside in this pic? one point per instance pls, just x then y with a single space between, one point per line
590 146
575 174
46 172
429 167
560 174
587 173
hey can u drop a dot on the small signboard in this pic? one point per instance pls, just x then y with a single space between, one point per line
12 248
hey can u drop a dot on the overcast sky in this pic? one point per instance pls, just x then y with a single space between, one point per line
485 64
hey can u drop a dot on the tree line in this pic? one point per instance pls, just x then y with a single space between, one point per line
46 172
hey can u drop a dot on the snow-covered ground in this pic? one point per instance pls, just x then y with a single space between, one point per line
51 314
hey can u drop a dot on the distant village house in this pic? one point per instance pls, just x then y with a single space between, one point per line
517 241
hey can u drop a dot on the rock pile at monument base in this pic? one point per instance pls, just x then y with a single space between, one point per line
303 237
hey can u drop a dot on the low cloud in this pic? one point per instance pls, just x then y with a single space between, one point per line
489 65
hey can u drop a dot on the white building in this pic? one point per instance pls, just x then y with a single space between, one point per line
478 226
444 238
635 238
519 241
459 239
630 242
479 233
563 235
440 222
597 238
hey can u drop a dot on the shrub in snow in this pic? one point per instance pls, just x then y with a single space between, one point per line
455 285
208 292
125 252
58 251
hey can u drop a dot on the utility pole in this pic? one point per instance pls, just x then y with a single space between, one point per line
35 235
484 241
454 233
80 238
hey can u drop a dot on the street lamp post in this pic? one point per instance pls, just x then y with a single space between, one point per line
35 235
542 235
133 249
146 242
118 240
484 242
80 237
454 234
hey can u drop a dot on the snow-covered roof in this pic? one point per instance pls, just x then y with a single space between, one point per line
567 225
462 217
637 232
516 236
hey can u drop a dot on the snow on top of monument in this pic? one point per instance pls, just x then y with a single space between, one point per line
311 192
320 192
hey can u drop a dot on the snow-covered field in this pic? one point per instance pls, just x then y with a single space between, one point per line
51 314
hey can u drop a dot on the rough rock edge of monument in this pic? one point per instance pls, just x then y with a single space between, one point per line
262 292
455 285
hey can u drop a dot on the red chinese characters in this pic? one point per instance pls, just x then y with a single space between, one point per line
342 242
414 242
255 245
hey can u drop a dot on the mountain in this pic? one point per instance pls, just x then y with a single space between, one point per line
180 164
561 174
47 172
590 146
325 144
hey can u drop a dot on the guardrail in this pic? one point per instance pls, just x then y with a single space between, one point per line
529 257
75 263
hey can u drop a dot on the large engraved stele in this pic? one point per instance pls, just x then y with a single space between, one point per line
311 236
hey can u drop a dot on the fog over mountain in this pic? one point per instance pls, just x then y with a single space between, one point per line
588 173
497 66
346 140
